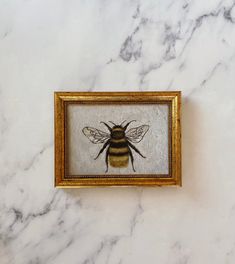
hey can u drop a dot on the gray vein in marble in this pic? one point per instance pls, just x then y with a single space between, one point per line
132 49
12 232
199 21
145 72
230 255
24 220
3 120
137 12
29 165
180 257
54 234
171 36
185 6
137 213
106 244
211 74
37 156
6 33
170 84
170 40
7 177
59 251
227 13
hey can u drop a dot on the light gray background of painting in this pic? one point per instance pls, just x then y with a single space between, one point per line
154 144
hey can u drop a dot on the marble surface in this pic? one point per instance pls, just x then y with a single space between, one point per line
117 45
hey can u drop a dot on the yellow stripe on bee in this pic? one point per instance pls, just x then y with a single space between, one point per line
118 150
118 129
118 140
119 161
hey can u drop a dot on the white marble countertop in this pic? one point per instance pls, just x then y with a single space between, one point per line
113 45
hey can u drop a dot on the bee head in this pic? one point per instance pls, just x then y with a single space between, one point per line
117 132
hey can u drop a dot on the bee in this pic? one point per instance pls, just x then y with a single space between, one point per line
118 142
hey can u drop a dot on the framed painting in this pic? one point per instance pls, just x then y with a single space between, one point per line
117 139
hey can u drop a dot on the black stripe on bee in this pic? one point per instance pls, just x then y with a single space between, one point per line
116 144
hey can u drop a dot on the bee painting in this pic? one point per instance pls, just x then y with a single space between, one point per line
118 142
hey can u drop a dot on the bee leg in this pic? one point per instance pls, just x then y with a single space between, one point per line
103 148
135 149
132 160
106 160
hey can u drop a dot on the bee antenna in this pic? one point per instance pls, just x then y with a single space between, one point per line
112 123
125 127
109 128
123 122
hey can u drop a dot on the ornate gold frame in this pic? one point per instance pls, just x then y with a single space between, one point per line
62 99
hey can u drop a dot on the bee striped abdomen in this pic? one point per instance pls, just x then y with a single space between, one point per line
118 153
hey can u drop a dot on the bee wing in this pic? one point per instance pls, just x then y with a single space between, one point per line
136 134
96 136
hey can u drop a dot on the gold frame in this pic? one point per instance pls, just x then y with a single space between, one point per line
62 99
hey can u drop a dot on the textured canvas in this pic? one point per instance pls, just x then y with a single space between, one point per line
154 144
